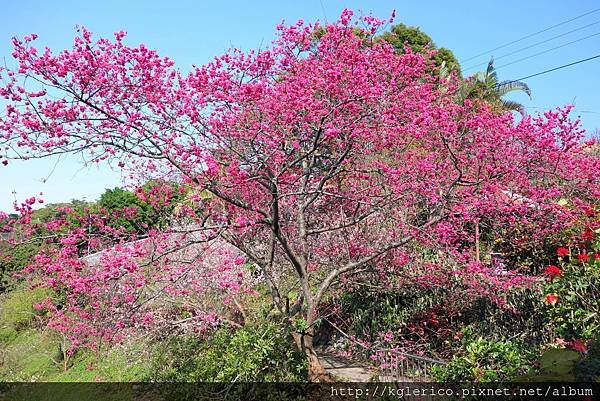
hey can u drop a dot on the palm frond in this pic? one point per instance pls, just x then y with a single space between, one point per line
511 105
479 76
490 73
464 91
444 72
510 86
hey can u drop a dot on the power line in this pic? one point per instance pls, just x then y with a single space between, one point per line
575 109
534 45
323 9
547 51
531 35
556 68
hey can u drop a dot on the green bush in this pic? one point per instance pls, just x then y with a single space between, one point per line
575 314
520 317
403 311
13 259
483 360
261 353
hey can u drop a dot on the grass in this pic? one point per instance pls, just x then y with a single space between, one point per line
17 307
35 356
31 355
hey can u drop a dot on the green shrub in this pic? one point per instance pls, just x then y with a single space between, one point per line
250 354
575 310
14 259
483 360
520 317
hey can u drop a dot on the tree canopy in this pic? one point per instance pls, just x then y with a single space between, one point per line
315 162
401 35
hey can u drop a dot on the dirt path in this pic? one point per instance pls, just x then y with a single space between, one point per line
345 370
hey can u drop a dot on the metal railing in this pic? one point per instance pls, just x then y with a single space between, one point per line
394 365
400 366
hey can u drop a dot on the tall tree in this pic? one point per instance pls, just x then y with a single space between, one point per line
317 161
401 35
486 85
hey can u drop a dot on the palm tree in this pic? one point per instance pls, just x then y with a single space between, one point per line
486 86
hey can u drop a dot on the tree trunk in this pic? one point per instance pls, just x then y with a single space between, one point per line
316 371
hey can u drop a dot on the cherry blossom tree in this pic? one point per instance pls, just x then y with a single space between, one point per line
110 283
317 160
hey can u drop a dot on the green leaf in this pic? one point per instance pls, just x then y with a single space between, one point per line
206 194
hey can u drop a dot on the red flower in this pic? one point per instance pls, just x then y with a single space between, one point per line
588 234
560 341
553 271
597 256
584 257
562 251
579 345
552 299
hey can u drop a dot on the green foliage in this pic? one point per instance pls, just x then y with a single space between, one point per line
14 259
300 325
576 314
419 42
401 35
520 317
146 214
117 199
7 334
486 86
529 254
393 309
55 210
431 317
249 354
482 360
128 362
177 359
588 369
16 309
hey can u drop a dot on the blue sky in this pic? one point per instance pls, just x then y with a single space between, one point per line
192 32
